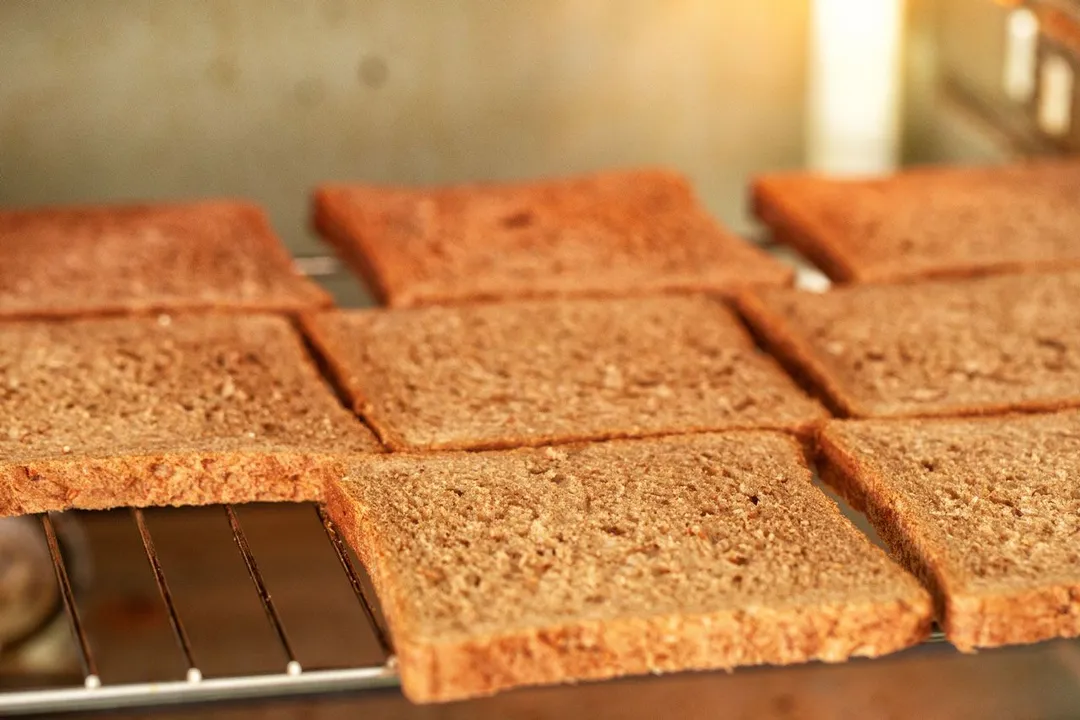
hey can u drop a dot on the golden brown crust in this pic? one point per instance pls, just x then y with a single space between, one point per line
800 231
604 235
546 372
110 260
442 657
189 409
931 222
1008 610
792 352
347 247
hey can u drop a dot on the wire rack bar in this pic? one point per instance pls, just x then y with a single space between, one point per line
139 695
293 665
381 635
193 672
86 657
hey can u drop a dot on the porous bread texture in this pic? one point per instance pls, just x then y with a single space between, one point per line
957 347
613 233
986 511
211 255
928 222
539 372
191 409
547 565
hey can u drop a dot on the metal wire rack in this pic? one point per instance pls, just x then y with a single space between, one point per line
293 680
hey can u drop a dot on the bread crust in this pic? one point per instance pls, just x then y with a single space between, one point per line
172 478
971 619
593 649
793 353
798 230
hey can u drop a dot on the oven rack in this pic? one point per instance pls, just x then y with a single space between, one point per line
295 680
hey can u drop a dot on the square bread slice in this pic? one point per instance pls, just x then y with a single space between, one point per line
608 234
548 565
928 222
181 410
219 255
985 510
539 372
961 347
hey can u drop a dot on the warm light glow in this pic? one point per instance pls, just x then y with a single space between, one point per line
854 86
1021 54
1055 95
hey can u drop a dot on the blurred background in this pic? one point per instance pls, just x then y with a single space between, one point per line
145 99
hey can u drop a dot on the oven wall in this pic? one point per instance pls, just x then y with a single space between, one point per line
127 99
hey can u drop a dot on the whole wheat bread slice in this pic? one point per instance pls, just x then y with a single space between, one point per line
608 234
928 222
960 347
538 372
220 255
548 565
985 510
169 411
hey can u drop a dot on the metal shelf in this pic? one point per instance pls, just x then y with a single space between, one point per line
293 680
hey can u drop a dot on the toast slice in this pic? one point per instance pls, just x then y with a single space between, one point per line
181 410
549 565
985 510
213 255
928 222
609 234
540 372
961 347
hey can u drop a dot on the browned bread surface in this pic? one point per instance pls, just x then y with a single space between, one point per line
537 372
217 255
959 347
928 222
547 565
985 510
613 233
184 410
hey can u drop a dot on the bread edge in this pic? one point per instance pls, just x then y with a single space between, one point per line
98 482
798 230
794 356
350 247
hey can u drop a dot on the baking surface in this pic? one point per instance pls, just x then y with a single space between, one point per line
129 628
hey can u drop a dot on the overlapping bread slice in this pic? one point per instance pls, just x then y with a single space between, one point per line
929 222
558 564
164 411
221 255
959 347
536 372
613 233
985 510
